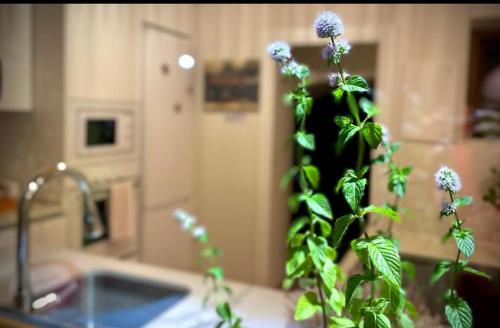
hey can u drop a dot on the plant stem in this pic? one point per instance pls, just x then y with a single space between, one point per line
322 301
455 268
395 208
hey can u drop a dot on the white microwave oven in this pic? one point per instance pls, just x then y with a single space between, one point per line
104 131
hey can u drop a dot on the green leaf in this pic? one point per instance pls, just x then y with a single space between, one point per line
293 202
345 134
210 252
405 321
217 272
296 261
297 224
305 140
464 241
375 320
298 239
353 188
312 174
439 270
342 121
463 201
355 83
317 247
477 272
289 175
368 107
409 268
458 313
341 323
355 307
329 274
372 132
385 211
319 204
324 226
307 306
385 257
336 301
353 283
337 94
340 227
224 311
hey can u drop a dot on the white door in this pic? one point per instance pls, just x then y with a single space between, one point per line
168 116
167 150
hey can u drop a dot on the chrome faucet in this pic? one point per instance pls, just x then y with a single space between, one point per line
93 228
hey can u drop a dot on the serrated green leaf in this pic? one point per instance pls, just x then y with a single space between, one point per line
439 270
463 201
329 274
319 204
375 320
355 83
391 214
353 189
352 284
312 174
458 314
307 306
464 241
340 227
372 132
305 140
342 121
346 133
385 257
296 261
295 227
317 247
324 226
477 272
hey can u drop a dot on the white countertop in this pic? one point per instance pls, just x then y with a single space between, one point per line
257 306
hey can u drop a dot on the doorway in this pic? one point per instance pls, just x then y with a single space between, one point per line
361 61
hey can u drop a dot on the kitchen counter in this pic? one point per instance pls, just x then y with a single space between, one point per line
258 306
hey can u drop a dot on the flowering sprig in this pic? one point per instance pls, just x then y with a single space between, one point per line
457 310
310 257
214 272
378 254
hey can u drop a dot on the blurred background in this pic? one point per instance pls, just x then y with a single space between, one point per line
179 106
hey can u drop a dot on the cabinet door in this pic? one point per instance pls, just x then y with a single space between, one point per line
168 143
15 57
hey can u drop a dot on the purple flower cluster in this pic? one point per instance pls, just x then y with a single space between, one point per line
328 25
279 51
448 208
447 180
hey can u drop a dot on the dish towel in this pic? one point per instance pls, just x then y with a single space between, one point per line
123 212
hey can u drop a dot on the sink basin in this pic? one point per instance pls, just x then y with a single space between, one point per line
107 299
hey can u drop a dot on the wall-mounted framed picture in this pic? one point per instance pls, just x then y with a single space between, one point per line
232 86
484 80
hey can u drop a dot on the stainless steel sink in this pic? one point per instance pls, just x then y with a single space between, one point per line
106 299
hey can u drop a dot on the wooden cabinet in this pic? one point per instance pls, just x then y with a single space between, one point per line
16 78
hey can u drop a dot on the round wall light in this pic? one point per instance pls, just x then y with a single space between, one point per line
186 61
